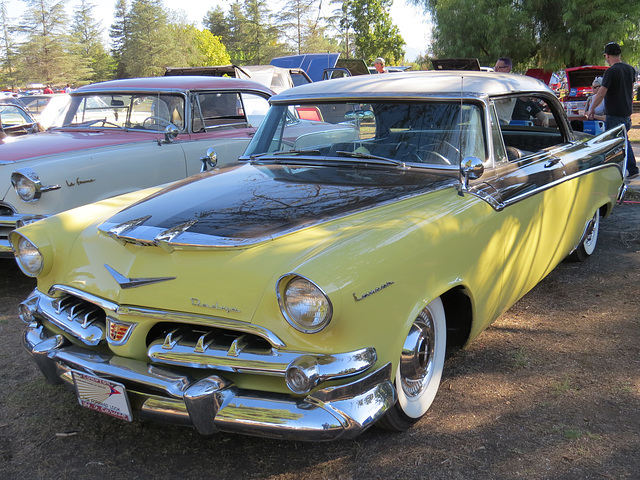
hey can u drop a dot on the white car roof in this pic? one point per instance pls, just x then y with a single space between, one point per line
432 83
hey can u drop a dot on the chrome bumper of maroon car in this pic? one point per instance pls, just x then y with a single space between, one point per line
8 223
213 403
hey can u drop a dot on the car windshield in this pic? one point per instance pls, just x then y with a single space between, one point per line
12 115
433 133
130 111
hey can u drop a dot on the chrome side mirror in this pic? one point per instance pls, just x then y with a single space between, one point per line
471 168
170 133
209 159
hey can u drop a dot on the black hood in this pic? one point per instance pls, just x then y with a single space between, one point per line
249 203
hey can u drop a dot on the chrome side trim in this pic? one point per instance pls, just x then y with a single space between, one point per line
58 290
622 193
171 316
557 182
482 191
213 403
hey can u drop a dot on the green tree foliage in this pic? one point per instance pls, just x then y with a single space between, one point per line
534 33
47 55
342 23
9 49
147 50
261 36
197 47
299 21
87 34
212 49
375 34
118 34
229 29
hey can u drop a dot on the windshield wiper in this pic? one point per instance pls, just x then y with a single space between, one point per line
284 152
368 156
89 123
296 152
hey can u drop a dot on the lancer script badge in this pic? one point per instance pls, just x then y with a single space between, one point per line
125 282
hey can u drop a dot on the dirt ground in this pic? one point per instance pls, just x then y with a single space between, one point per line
550 391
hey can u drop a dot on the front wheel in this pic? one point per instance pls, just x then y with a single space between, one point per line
588 244
420 368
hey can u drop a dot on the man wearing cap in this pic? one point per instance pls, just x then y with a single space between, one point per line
617 91
379 64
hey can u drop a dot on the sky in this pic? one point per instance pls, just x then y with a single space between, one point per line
410 20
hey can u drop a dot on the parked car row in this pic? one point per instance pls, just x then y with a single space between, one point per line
312 288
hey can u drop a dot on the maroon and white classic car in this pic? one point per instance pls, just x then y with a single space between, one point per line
123 135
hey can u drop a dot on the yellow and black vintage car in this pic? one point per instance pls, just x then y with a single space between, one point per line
312 289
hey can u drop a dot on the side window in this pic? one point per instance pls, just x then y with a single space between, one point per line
254 107
499 152
215 109
532 126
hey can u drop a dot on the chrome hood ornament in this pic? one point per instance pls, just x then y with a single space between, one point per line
125 282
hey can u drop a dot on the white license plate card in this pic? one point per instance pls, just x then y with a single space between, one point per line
102 395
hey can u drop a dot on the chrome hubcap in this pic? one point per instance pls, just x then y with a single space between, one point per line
416 361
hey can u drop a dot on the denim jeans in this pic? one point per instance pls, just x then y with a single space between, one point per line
614 121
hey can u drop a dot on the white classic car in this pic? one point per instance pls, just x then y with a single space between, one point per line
124 135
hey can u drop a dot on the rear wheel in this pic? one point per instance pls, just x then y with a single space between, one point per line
588 245
420 368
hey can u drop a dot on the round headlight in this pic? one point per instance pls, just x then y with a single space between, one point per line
25 188
304 305
29 257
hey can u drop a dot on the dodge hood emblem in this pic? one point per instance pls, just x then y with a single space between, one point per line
125 282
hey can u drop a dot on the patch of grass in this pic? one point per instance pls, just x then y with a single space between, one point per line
521 358
572 434
562 387
627 387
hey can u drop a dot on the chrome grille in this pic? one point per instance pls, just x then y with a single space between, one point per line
82 319
200 347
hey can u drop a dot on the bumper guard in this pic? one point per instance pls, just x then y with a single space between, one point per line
214 403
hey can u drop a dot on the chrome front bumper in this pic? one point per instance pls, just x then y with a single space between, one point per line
213 403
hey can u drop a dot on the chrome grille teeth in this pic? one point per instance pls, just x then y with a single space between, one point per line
170 341
238 345
203 342
78 311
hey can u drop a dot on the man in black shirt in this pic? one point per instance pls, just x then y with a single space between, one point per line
617 91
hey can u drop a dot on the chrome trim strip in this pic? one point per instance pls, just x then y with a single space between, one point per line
498 206
58 290
622 193
5 249
531 193
11 220
215 404
170 316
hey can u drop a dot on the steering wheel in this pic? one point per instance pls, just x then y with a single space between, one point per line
431 153
154 120
443 143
